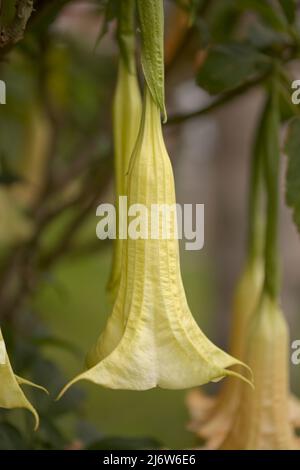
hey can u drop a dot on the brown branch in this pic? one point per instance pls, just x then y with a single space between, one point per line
10 35
25 265
218 102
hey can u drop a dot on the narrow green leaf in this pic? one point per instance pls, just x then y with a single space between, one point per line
292 149
289 8
266 11
151 20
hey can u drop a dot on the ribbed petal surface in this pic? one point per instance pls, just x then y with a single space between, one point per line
151 338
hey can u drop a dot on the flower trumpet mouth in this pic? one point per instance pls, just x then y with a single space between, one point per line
151 338
11 394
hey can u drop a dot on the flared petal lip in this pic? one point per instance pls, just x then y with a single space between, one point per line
223 373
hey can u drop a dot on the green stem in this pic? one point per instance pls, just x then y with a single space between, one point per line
254 211
126 33
271 149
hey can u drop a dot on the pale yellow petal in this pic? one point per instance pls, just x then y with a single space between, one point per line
151 338
11 394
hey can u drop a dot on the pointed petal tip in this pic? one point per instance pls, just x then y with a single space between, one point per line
37 421
32 410
229 372
242 377
22 381
69 384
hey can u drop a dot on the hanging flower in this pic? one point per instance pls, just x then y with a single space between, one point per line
126 119
212 417
11 394
262 421
151 339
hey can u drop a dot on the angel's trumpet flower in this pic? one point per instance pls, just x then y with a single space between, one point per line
262 421
11 394
127 110
212 417
151 338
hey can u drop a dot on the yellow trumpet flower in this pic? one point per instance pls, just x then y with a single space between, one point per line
127 110
262 421
151 338
212 417
11 394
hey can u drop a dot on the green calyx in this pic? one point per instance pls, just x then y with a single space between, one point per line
151 21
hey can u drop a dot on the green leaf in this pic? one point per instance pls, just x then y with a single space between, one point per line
125 443
262 37
266 11
289 8
43 16
229 66
292 149
152 31
223 20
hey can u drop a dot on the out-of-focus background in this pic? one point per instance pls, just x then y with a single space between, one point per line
56 158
